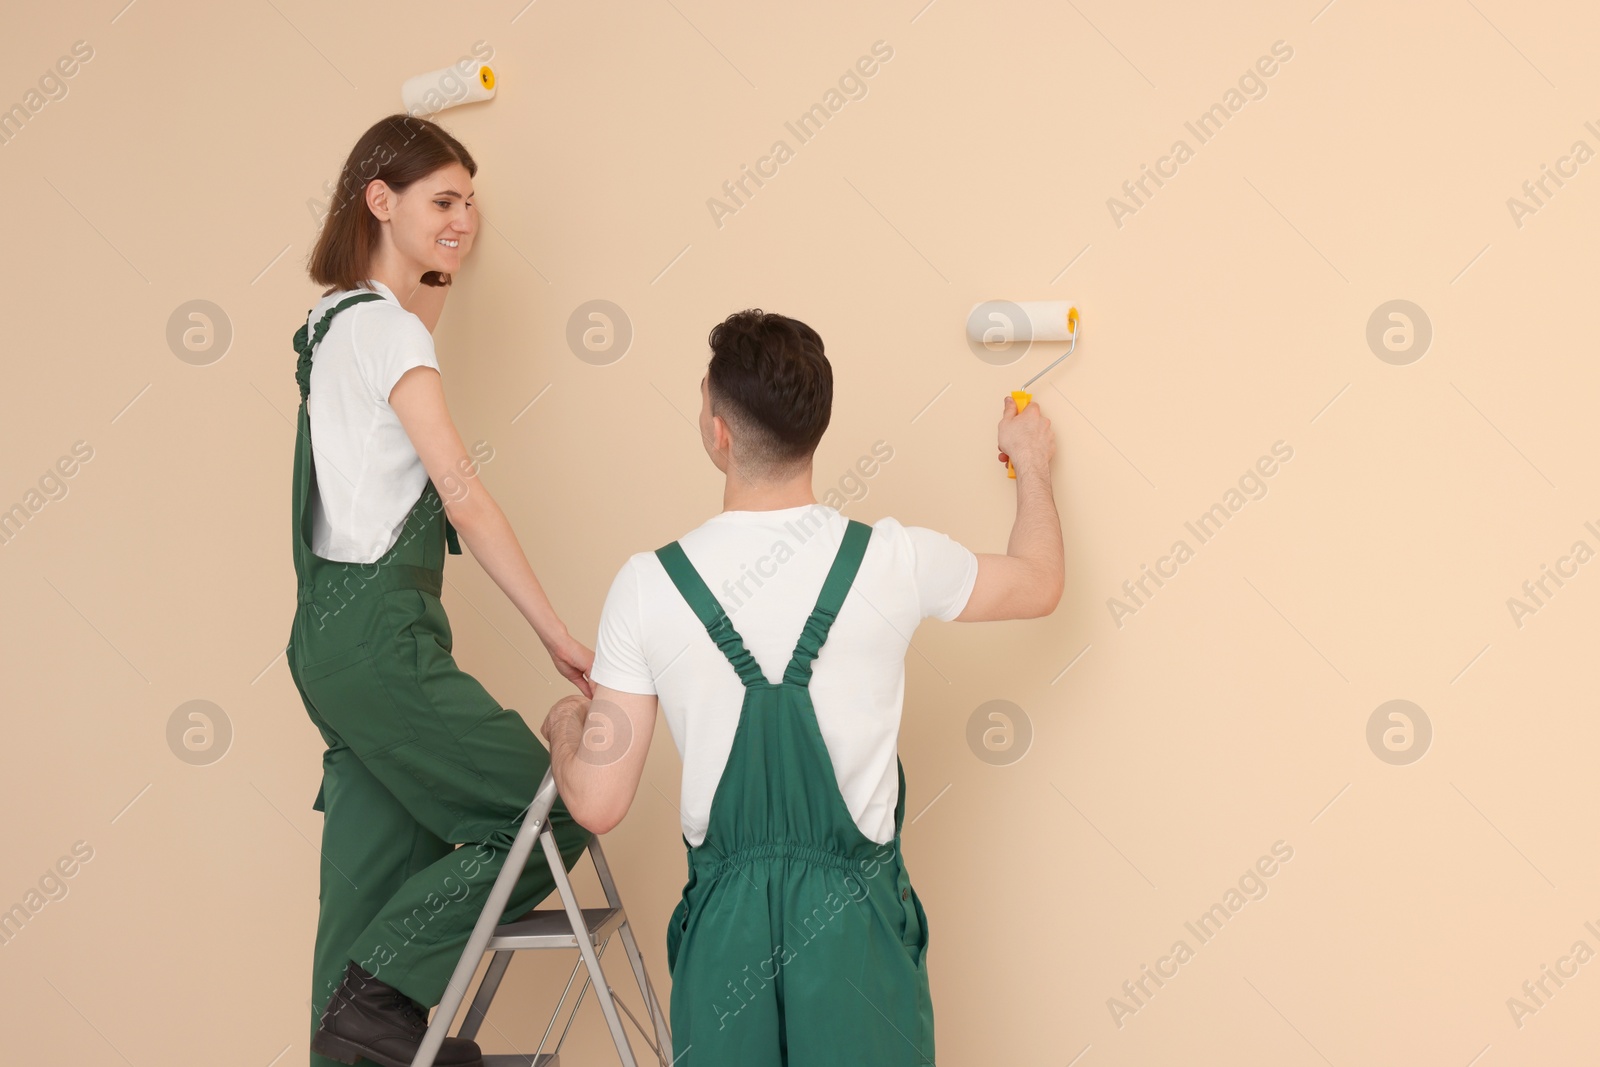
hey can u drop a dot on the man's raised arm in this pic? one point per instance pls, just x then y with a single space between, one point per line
1027 581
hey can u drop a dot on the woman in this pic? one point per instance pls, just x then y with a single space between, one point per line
419 756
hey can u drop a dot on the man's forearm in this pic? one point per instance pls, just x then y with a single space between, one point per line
1036 533
566 738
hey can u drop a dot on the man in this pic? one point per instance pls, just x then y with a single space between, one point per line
799 938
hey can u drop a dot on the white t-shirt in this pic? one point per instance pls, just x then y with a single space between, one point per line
368 474
767 569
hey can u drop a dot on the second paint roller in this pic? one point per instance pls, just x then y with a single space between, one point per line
1023 322
461 83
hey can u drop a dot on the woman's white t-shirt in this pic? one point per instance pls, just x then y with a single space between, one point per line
369 475
766 568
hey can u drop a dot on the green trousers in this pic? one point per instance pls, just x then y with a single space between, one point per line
419 758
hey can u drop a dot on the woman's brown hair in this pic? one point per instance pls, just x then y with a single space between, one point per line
398 150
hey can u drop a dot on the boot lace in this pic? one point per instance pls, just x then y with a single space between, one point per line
414 1013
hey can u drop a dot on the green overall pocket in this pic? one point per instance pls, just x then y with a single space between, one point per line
350 695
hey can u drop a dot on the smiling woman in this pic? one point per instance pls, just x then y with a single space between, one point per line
420 757
383 166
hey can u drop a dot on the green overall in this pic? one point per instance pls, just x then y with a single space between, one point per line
419 756
799 940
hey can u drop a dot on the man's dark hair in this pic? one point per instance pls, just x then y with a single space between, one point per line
770 382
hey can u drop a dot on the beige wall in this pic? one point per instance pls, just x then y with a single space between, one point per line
1228 312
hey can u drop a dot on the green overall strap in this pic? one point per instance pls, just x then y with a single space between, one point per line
304 346
302 370
710 612
837 586
812 634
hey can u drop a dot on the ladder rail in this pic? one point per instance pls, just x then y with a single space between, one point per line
551 1025
588 979
486 990
534 821
569 900
536 829
635 958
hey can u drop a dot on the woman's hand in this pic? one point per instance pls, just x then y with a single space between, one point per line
573 659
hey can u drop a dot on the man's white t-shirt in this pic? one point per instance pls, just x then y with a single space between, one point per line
368 473
767 569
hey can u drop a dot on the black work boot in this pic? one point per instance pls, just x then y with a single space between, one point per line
366 1017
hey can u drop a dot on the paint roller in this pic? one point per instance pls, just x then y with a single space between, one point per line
463 82
1024 321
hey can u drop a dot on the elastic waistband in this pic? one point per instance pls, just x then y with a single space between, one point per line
707 860
383 576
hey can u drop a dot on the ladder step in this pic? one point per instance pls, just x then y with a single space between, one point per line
549 928
543 1059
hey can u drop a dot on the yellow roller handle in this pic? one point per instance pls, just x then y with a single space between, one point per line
1022 399
1022 396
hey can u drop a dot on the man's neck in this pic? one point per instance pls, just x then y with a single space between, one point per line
741 495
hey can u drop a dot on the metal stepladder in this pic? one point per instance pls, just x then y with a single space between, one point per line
589 930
